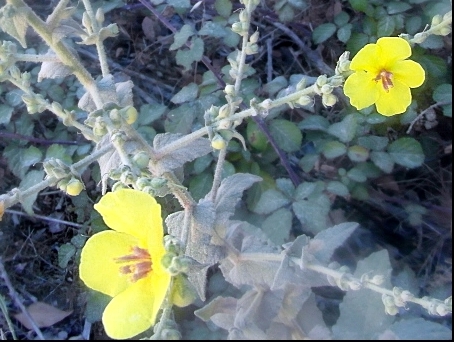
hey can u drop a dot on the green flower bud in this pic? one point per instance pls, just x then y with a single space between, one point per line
436 20
224 124
224 111
444 31
336 81
142 182
321 80
74 187
229 89
329 100
157 183
243 16
183 293
141 159
99 15
114 115
218 142
326 89
62 184
251 49
254 37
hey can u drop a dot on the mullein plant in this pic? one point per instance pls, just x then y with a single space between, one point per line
146 273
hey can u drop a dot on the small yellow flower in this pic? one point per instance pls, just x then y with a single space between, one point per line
383 75
125 263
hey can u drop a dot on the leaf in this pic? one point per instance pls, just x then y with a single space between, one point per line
200 184
43 314
272 87
333 149
395 7
313 212
383 161
385 26
337 188
344 130
277 226
213 29
314 123
5 113
19 160
373 142
180 156
221 311
179 3
181 37
270 201
357 153
344 33
31 178
186 94
65 254
194 54
96 303
407 152
150 112
223 7
417 328
362 313
357 175
14 22
328 240
180 119
286 134
53 69
323 32
359 5
443 93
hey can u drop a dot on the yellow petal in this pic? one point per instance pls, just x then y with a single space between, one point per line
367 59
408 72
393 49
361 89
131 211
134 310
396 101
98 269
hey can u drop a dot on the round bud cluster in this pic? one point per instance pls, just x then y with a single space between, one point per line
175 264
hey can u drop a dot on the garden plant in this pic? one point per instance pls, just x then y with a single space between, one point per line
221 169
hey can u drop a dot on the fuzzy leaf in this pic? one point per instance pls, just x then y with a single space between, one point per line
31 178
224 7
333 149
287 135
65 253
178 157
270 201
277 226
417 328
53 69
344 130
124 93
194 54
407 152
386 26
181 37
14 22
383 161
180 119
323 32
313 212
362 314
213 29
221 311
5 113
96 303
19 160
337 188
186 94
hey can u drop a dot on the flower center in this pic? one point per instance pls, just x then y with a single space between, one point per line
137 264
386 79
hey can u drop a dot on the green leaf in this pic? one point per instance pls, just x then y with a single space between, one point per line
213 29
305 189
275 85
383 161
344 33
286 13
286 186
443 93
277 226
337 188
308 162
357 175
323 32
395 7
179 3
313 212
417 328
407 152
358 153
434 65
375 119
334 149
96 303
31 178
58 152
286 134
65 253
356 42
359 5
341 19
270 201
344 130
14 97
200 185
5 113
223 7
19 160
413 24
385 26
186 94
150 112
14 22
181 37
314 123
194 54
179 120
373 142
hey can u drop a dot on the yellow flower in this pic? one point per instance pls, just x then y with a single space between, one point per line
383 75
125 263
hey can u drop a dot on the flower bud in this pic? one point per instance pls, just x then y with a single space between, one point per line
304 100
86 22
229 89
114 115
218 142
141 159
119 186
167 258
142 182
336 81
224 111
326 89
444 31
251 49
224 124
329 100
183 293
62 184
243 16
157 183
321 80
129 114
74 187
254 37
436 19
99 15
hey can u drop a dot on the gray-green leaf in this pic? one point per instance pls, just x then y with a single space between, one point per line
407 152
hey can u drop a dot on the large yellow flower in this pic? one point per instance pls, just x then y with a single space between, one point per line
383 75
125 263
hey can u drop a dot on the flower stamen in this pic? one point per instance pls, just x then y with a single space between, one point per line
386 79
138 263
